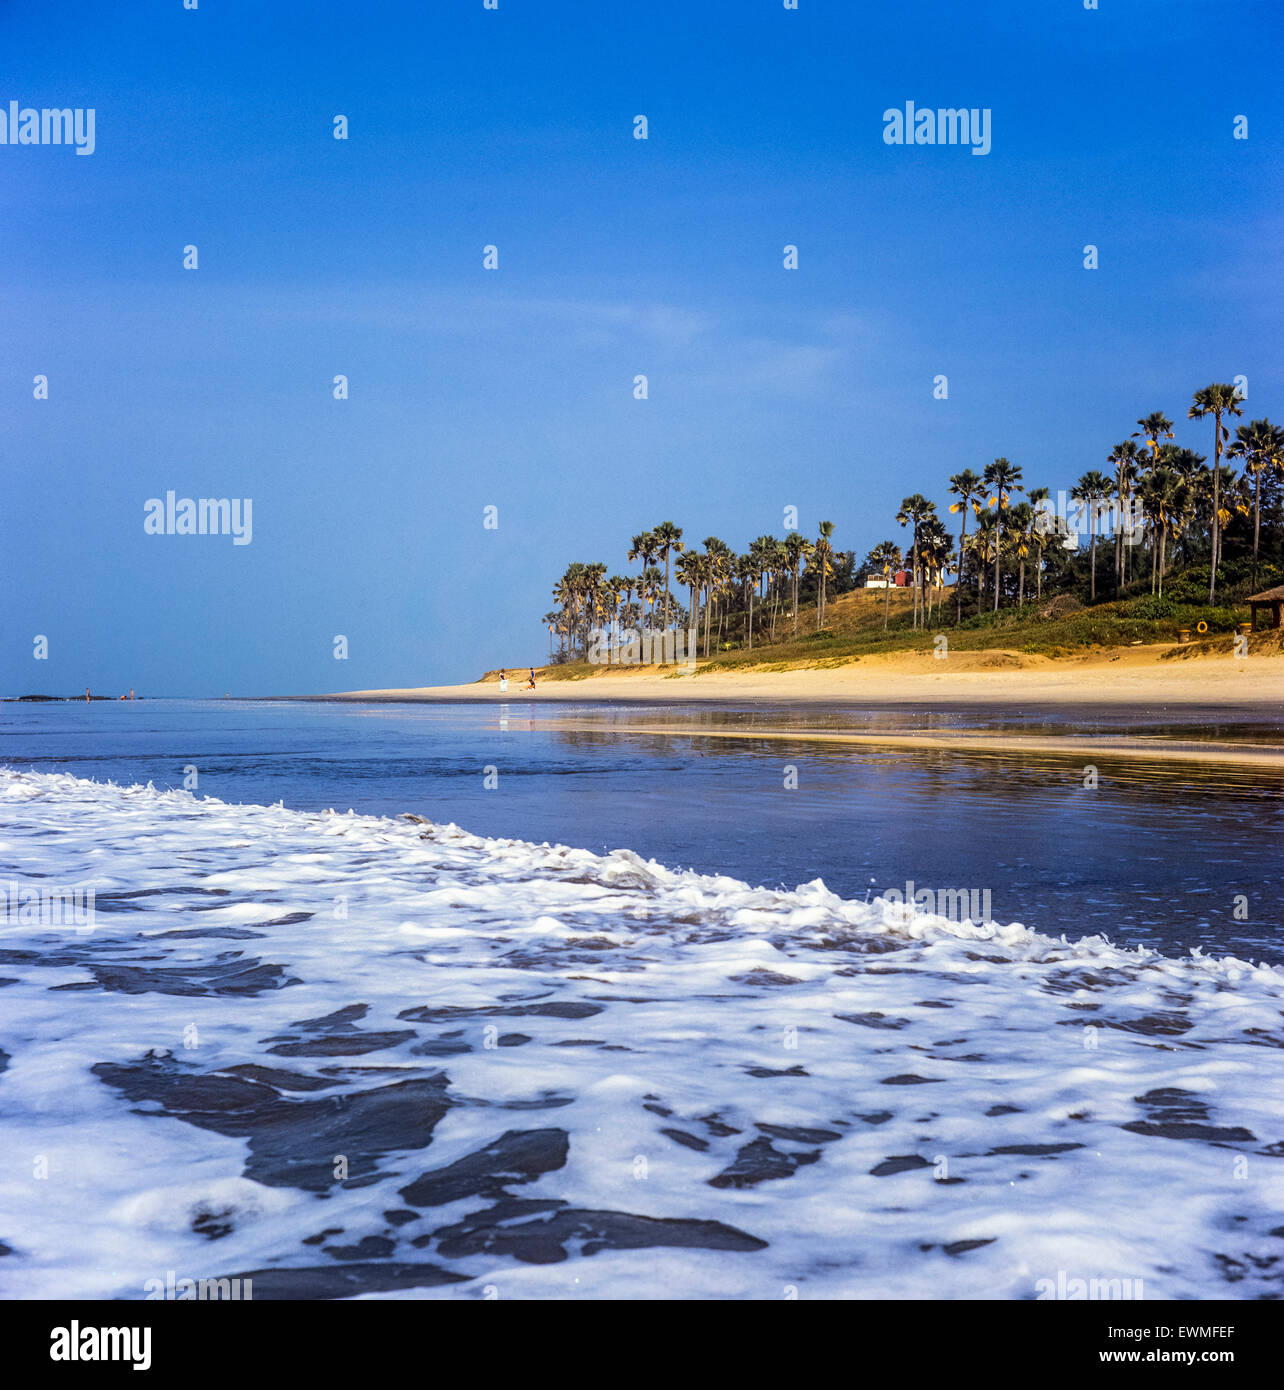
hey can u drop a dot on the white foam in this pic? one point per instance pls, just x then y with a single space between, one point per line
1068 1032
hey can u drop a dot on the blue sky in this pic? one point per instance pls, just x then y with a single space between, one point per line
514 387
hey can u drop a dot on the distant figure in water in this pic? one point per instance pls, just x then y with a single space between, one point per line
131 692
86 694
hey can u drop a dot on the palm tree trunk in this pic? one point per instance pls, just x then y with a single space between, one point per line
666 585
1257 519
1217 479
1092 547
913 578
958 583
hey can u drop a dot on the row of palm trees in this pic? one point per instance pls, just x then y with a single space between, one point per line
1169 488
720 583
1156 493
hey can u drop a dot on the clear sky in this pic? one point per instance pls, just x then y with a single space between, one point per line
513 388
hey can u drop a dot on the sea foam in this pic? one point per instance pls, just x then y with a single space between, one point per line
354 1055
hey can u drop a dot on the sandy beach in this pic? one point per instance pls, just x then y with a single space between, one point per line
1143 680
1144 677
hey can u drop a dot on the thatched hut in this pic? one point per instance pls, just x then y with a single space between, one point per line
1272 599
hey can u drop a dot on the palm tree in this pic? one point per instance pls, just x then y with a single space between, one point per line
886 556
652 578
594 591
1022 518
1003 478
822 562
797 549
914 511
569 593
984 545
1038 537
748 573
1166 498
550 621
690 571
644 548
969 488
668 538
1154 427
935 547
1218 399
1127 459
1093 489
1261 445
775 565
762 554
1190 467
616 587
721 573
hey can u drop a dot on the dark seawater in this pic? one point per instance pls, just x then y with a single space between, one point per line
1167 855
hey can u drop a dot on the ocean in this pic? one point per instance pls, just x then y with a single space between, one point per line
458 1001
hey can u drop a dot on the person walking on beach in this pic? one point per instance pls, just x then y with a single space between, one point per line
531 686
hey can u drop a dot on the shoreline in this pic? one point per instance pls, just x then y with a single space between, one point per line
1133 681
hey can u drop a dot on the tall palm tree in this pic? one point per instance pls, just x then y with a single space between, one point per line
748 573
760 553
616 587
969 488
569 593
1092 489
887 557
935 548
1218 399
984 545
721 574
652 582
550 621
1021 525
690 571
1190 467
1261 445
643 548
914 511
1127 459
1154 427
594 590
1166 498
668 538
776 561
1003 479
797 549
1038 537
822 557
